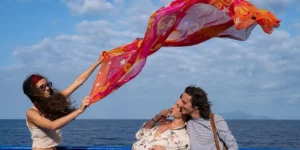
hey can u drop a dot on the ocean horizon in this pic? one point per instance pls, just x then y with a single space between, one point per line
121 132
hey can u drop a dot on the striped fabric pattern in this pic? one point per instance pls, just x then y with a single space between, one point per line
202 138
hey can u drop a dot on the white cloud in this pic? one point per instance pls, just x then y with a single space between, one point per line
102 29
72 38
82 7
62 51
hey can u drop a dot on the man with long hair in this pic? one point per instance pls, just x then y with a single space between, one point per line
195 103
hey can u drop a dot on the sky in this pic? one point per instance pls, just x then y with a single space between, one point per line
62 38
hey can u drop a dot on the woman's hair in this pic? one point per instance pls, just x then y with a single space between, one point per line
186 117
53 107
199 100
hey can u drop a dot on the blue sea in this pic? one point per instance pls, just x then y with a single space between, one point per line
249 133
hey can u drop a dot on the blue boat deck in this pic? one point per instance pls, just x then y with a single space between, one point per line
114 148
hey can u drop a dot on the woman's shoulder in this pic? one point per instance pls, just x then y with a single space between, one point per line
32 111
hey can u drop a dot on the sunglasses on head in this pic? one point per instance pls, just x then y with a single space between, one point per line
43 86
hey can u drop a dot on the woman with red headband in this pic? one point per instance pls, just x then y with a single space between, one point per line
52 109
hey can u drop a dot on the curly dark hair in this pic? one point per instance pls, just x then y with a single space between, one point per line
53 107
199 100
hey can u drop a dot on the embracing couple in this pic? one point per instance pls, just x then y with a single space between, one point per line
194 127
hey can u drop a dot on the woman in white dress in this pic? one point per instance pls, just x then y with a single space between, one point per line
168 136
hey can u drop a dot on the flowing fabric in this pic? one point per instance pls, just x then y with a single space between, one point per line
180 23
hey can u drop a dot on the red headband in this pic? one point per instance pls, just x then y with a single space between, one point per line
36 78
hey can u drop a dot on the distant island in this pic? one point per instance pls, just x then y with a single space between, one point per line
239 115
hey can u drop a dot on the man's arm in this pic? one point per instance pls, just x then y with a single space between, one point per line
225 134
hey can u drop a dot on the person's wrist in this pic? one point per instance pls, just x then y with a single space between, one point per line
79 110
99 61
